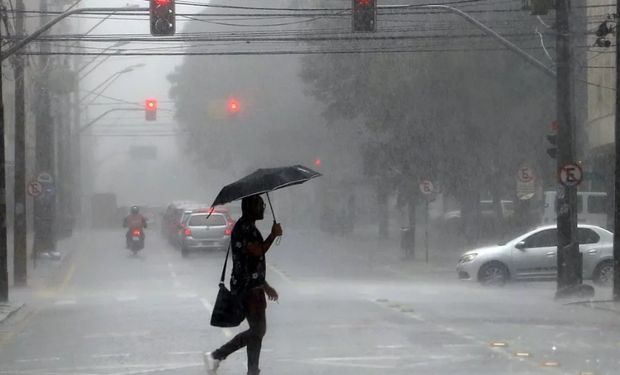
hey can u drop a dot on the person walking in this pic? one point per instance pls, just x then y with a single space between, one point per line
248 282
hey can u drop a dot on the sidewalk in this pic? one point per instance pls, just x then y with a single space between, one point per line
47 272
7 309
602 305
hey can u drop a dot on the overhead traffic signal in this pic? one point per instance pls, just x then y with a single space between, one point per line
150 109
364 15
233 106
552 151
163 16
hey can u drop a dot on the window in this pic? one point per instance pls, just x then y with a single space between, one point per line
587 236
597 204
201 220
545 238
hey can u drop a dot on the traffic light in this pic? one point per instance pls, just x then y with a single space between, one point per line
233 106
552 151
162 17
317 162
150 109
364 15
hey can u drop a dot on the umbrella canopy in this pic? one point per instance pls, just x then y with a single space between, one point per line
263 181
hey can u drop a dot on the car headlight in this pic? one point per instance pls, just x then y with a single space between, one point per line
468 257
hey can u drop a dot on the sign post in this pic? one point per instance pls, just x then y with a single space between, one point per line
427 188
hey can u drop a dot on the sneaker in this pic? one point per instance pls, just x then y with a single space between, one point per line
211 363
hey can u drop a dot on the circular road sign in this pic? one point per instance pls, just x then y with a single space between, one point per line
45 178
525 174
426 187
35 189
571 175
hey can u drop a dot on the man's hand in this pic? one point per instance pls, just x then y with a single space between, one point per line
276 230
271 293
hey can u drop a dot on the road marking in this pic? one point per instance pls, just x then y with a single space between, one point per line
177 284
65 302
187 295
284 277
206 304
67 279
49 359
126 298
122 355
107 335
173 274
496 347
390 346
185 353
227 332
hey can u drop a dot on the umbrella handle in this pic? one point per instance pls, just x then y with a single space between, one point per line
274 217
271 206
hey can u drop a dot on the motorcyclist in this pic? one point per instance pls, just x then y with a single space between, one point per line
134 220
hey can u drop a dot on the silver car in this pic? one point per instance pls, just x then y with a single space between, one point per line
532 256
204 231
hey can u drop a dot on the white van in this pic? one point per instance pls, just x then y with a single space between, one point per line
591 208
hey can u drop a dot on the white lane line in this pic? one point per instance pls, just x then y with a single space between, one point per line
126 298
206 304
187 295
173 274
48 359
280 273
107 335
390 346
170 265
185 353
227 332
115 355
65 302
177 284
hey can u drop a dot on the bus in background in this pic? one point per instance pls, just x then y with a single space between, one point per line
591 208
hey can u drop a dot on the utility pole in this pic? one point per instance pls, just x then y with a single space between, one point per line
20 232
4 272
616 289
44 206
568 256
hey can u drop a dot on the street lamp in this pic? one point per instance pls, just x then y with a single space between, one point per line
109 81
115 45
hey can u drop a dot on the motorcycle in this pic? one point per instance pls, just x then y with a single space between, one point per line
136 240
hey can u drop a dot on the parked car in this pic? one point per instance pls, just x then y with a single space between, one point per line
533 256
206 230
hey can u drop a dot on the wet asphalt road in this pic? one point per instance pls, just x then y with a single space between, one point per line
344 310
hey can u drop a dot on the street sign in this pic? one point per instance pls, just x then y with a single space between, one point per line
35 189
526 174
571 175
45 178
426 187
526 183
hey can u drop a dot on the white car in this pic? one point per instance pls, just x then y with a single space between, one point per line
532 256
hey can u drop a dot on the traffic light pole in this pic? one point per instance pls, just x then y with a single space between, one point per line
20 226
24 42
568 256
4 272
616 285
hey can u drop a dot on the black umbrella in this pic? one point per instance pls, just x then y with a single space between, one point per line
262 181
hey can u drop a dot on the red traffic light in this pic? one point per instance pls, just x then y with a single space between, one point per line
317 162
150 109
233 106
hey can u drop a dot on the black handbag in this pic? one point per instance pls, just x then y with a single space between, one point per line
228 309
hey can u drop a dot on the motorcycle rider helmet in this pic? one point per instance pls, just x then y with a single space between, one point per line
135 210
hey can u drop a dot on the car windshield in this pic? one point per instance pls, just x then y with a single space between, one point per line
397 187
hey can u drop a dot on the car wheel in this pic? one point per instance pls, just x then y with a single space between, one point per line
604 273
493 274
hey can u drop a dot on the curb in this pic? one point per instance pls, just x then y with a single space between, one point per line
14 308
